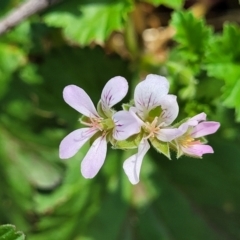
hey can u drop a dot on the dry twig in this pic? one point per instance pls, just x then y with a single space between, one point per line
24 11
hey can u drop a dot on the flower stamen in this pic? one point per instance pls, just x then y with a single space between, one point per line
152 128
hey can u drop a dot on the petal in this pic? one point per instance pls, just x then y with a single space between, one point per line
170 109
133 164
113 92
94 158
168 134
197 150
205 128
125 125
196 119
149 93
78 99
133 111
70 145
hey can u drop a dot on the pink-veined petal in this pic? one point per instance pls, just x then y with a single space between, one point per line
126 125
197 150
113 92
170 109
78 99
133 164
149 93
70 145
94 158
205 128
168 134
196 119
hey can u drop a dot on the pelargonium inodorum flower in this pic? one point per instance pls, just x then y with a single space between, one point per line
99 123
190 139
154 110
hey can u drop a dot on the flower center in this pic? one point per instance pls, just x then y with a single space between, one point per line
187 141
92 122
151 128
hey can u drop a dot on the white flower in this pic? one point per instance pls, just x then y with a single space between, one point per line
154 111
100 123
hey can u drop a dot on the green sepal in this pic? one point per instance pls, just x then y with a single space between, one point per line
107 124
130 143
176 125
162 147
203 140
156 112
179 152
176 148
100 110
83 119
126 106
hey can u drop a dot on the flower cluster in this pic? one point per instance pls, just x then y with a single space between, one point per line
147 120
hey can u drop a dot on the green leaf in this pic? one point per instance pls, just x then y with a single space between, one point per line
222 62
11 57
224 48
90 22
175 4
30 161
161 147
9 232
192 35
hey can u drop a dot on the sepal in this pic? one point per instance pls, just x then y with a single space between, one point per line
127 106
203 140
176 125
104 113
107 124
84 120
155 112
162 147
130 143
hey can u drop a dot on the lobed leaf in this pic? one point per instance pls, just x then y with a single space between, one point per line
88 22
222 62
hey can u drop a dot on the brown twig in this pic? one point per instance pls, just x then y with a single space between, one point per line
22 12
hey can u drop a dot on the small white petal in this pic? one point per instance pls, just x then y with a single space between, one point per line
133 164
113 92
170 109
78 99
168 134
149 93
94 158
126 125
70 145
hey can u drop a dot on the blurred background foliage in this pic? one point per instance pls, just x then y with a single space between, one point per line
195 44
